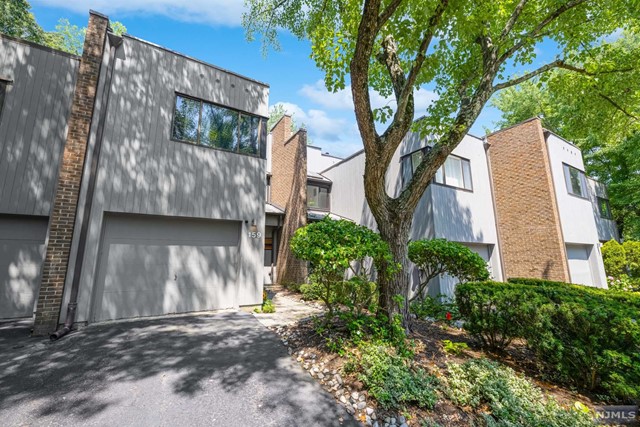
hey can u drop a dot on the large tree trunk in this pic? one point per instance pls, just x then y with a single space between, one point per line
395 286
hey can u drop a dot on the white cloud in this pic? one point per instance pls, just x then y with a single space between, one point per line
335 135
342 99
215 12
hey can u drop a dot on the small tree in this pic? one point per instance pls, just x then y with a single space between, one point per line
440 256
334 248
615 258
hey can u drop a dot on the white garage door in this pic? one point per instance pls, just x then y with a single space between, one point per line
579 266
21 254
155 265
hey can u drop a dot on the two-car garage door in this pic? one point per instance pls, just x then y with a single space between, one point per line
154 265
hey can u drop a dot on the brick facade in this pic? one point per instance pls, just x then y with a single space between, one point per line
63 214
289 189
526 206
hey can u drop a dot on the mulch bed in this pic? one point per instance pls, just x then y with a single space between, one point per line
308 347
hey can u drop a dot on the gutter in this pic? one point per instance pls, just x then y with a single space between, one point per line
115 42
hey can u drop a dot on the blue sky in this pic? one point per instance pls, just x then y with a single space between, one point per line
210 30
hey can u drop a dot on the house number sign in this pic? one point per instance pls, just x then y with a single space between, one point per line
255 234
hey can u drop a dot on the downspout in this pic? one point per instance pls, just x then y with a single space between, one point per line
115 42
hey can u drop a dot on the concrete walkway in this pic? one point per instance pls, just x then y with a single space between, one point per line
288 312
222 369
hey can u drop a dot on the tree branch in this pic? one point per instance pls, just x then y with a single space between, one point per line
558 63
527 76
387 13
618 106
404 97
537 31
513 19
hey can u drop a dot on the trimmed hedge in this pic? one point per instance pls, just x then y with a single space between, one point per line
589 336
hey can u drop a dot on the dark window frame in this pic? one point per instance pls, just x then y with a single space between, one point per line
464 181
325 186
4 83
262 124
583 182
599 200
409 158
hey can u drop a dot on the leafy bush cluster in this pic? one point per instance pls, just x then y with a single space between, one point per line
439 308
511 400
360 328
391 379
622 264
589 336
336 250
440 256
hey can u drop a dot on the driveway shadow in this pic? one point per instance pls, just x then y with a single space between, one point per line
220 368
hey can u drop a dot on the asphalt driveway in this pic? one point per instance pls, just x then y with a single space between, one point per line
221 369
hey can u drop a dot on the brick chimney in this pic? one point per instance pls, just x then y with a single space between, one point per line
526 205
289 190
65 204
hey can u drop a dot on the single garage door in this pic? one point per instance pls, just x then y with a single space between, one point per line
579 266
21 254
157 265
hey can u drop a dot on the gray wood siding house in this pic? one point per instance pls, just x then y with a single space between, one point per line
36 90
173 180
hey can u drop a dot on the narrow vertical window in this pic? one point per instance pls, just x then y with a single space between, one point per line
576 181
3 92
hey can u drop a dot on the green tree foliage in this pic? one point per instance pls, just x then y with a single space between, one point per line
67 37
16 20
439 256
70 38
463 50
334 249
600 113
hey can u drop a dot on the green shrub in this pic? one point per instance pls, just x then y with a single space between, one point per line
268 306
496 313
614 257
623 283
436 308
511 400
355 329
454 347
391 379
632 252
336 249
589 337
439 256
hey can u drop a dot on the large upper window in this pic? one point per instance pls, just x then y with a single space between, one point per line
576 181
203 123
318 197
604 208
456 171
